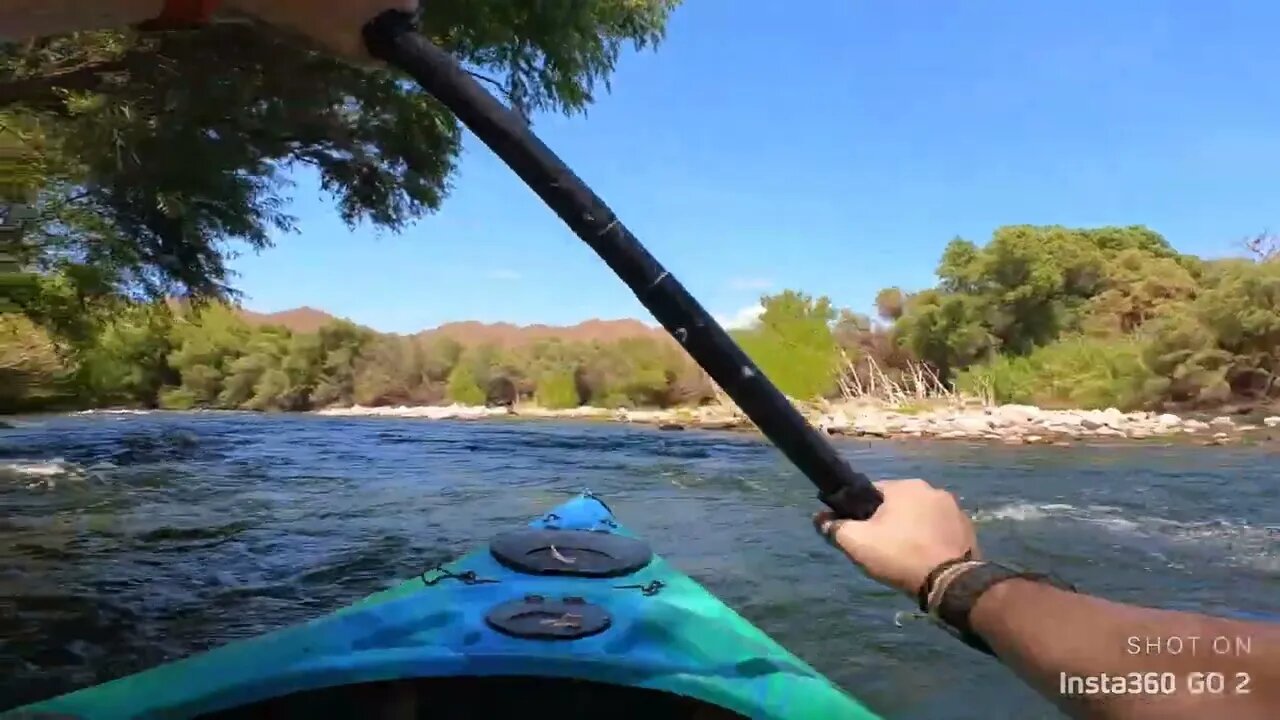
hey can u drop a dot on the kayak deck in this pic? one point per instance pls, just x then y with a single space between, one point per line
571 614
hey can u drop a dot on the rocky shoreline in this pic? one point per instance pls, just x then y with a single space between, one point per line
1009 424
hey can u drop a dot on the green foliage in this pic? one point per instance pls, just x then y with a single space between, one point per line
628 373
891 303
126 362
1226 342
33 374
1138 287
792 343
153 155
1023 289
463 387
557 390
154 355
1100 317
177 398
1074 372
947 330
1051 316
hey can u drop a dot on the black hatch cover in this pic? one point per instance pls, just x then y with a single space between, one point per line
579 553
538 618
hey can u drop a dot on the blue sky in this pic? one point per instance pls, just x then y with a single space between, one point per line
835 146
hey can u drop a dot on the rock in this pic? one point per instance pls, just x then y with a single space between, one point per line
1194 425
1034 438
1015 440
1091 424
870 425
1069 430
670 426
1168 419
912 427
1018 414
951 435
1220 436
1222 420
1061 443
1108 431
1273 421
972 425
1247 428
833 424
1067 418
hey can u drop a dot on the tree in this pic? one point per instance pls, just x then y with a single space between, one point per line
206 342
793 344
890 303
1184 356
463 388
32 373
557 391
389 371
501 391
1138 287
626 373
127 360
1241 303
439 355
182 140
948 331
1031 285
1075 372
341 343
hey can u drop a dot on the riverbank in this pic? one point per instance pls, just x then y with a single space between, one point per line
1010 424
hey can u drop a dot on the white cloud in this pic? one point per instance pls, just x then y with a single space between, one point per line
743 318
750 283
503 274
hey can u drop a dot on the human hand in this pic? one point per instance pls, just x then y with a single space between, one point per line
915 529
337 24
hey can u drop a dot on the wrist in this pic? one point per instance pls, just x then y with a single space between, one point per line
971 598
992 607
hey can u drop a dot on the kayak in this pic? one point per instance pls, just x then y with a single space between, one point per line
571 615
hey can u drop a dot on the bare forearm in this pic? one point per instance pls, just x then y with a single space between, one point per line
36 18
1211 665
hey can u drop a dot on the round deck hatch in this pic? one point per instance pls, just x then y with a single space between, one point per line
577 553
537 618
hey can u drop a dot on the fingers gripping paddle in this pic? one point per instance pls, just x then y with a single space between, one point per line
392 37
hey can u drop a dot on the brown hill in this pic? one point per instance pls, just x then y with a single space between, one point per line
299 320
471 332
508 335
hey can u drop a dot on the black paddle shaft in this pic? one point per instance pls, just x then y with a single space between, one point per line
392 37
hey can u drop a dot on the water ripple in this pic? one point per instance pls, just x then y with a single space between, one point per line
131 539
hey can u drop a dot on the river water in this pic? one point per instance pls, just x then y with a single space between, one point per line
128 540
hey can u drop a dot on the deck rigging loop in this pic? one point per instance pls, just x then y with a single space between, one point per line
648 590
467 577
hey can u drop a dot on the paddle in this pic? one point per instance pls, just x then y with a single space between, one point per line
392 37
